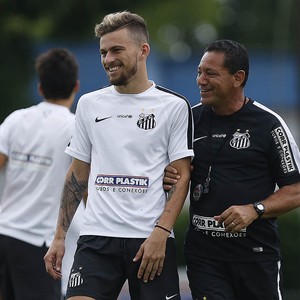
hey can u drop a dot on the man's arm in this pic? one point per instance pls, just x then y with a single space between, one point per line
177 194
238 217
283 200
76 182
152 251
3 160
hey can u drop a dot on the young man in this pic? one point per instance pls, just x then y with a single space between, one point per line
125 135
242 151
32 143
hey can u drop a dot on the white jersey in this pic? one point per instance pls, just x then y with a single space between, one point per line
129 139
34 140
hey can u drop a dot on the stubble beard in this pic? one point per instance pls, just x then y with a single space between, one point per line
124 78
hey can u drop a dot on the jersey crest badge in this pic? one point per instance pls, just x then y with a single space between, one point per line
146 121
240 140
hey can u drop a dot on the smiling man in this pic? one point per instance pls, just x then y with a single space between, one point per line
242 151
125 135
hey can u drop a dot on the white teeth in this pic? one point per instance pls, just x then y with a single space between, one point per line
113 69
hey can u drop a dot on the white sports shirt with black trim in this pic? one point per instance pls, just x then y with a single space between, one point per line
129 139
34 140
255 151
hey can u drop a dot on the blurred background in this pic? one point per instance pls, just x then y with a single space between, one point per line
179 31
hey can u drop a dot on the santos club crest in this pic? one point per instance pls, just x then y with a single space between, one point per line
240 140
146 121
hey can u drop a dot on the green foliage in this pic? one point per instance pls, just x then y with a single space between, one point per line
289 229
183 16
16 67
23 23
177 28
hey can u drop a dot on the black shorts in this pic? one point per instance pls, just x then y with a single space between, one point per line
219 280
102 265
22 272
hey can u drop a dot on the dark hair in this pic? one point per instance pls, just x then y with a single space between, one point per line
58 72
134 23
235 56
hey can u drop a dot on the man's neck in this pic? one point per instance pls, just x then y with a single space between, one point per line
63 102
229 109
135 88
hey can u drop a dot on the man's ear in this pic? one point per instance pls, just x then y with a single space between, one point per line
76 89
145 50
239 78
40 90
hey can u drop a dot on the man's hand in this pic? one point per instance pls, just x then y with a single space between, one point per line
171 177
152 252
53 258
237 217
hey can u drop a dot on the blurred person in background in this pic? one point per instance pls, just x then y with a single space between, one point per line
32 144
125 135
242 151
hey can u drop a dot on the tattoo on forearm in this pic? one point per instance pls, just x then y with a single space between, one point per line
72 195
171 192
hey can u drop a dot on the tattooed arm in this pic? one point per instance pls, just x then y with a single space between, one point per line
75 186
152 251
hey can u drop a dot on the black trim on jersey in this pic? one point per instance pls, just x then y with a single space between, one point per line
191 124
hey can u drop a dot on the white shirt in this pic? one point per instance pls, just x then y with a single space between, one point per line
129 139
34 140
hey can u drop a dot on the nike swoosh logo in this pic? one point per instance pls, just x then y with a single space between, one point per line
167 298
200 138
99 120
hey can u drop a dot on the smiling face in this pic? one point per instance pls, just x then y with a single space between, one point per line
119 56
217 85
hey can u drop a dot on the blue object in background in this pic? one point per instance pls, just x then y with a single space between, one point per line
272 79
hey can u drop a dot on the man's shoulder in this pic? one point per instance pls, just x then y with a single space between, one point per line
95 95
200 110
100 91
260 111
197 107
170 94
19 113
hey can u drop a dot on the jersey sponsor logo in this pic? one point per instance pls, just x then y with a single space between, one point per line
124 116
102 119
31 158
122 184
146 121
219 135
284 150
211 227
122 180
240 140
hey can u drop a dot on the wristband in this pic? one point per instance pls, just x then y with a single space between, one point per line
163 228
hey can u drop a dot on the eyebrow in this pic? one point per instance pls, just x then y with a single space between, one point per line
112 48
